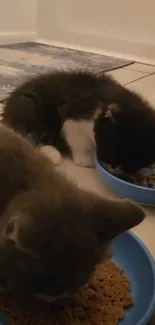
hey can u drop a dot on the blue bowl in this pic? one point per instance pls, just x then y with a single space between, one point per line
133 257
139 194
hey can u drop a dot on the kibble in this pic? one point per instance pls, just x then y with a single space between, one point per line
102 301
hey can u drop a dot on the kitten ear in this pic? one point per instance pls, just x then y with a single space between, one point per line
112 112
118 217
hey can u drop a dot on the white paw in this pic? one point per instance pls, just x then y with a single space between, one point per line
52 153
83 159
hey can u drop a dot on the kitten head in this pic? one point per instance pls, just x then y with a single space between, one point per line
50 249
126 137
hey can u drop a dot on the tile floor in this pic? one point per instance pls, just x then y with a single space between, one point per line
140 78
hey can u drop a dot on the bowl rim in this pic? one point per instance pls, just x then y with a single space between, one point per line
138 187
146 318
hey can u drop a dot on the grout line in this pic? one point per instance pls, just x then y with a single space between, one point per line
124 66
138 70
142 77
146 74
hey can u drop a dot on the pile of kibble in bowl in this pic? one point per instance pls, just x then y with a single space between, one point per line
144 177
102 301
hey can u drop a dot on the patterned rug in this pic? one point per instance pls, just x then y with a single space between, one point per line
19 61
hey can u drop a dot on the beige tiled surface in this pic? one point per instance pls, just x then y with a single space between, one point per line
125 76
87 177
142 79
146 87
141 67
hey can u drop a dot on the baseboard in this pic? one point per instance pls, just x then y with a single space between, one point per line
16 37
142 52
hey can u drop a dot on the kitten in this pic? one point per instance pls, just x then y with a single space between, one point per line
70 111
52 233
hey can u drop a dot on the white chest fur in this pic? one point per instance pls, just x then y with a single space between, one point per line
79 135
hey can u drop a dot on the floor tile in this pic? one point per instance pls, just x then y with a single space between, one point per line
125 76
84 177
146 87
141 67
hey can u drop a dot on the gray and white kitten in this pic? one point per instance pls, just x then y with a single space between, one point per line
72 112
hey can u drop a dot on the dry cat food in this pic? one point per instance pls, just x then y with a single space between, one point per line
144 177
100 302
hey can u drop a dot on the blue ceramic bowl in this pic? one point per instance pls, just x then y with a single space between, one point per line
133 257
139 194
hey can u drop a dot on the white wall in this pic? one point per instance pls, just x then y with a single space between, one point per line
17 20
117 27
121 27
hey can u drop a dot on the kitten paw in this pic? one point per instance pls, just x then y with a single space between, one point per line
52 153
83 160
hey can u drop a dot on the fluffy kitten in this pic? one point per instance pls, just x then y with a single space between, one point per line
66 109
51 233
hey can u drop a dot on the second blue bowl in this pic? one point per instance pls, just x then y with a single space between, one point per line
139 194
